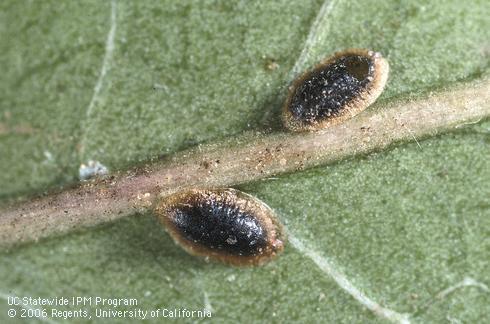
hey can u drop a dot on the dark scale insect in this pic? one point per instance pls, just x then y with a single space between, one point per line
223 224
337 89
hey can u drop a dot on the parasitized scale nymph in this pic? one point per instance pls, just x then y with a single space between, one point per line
222 224
335 90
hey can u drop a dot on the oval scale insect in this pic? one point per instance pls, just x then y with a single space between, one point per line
223 224
335 90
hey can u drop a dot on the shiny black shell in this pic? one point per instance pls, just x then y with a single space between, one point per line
335 90
222 224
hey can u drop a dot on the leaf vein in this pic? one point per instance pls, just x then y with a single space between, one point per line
345 284
316 31
106 63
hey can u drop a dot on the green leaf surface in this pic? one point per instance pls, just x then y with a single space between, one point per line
123 81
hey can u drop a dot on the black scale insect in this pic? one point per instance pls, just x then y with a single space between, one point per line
222 224
335 90
230 226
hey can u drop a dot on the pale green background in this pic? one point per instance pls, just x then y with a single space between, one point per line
403 224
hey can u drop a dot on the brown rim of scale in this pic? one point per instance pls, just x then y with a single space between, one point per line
222 224
335 90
